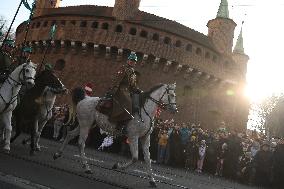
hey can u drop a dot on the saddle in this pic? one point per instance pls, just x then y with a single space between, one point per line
105 105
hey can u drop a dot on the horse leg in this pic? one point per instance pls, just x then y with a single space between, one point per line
18 126
70 135
38 134
33 131
84 131
145 142
133 144
7 130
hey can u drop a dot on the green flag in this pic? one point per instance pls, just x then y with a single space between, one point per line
26 4
52 31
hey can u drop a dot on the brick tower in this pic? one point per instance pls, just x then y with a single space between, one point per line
221 29
42 5
125 9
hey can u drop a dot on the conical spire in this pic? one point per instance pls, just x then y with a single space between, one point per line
223 11
239 48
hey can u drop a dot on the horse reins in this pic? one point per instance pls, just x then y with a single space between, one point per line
17 83
160 104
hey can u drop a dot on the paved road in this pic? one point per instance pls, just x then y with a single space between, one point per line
19 170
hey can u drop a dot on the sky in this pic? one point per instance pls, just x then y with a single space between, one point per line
262 31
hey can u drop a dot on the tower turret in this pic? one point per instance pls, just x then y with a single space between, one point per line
239 55
42 5
125 9
221 29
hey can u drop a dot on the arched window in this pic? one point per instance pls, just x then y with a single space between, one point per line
73 22
167 40
45 23
132 31
105 26
207 55
143 33
95 24
37 24
156 37
189 47
83 24
198 51
178 43
118 28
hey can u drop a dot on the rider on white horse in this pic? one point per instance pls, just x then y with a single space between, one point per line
124 94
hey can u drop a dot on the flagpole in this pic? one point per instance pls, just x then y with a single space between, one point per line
51 37
28 27
10 27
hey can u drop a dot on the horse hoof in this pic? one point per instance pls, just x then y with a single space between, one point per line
115 166
153 184
56 155
89 171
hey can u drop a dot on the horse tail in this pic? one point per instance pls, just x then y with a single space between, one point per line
78 94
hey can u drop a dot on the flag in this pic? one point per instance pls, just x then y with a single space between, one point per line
26 4
52 31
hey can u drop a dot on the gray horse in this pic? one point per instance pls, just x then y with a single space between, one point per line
161 95
22 75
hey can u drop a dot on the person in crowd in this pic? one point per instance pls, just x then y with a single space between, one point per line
184 136
245 171
263 165
162 144
89 89
255 147
58 122
192 153
201 155
234 153
278 165
221 157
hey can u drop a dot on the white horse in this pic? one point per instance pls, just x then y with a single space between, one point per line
161 95
22 75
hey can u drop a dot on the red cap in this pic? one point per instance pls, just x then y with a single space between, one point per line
88 89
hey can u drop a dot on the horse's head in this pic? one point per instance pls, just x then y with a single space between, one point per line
27 74
169 98
52 81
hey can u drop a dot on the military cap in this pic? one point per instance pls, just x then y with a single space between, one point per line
133 57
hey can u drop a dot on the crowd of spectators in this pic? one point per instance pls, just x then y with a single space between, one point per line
251 159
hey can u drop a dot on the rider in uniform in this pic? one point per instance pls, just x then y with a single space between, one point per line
6 58
125 93
24 55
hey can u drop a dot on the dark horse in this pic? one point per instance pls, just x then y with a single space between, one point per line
35 107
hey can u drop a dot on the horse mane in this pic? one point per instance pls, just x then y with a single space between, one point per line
78 94
146 95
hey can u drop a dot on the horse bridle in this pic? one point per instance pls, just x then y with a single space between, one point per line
160 103
22 81
14 98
